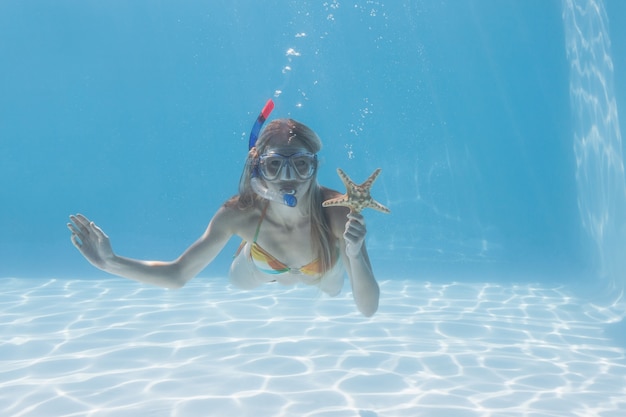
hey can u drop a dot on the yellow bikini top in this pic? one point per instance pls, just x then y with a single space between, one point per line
267 263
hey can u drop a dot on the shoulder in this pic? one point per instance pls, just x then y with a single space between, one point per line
237 220
328 193
337 215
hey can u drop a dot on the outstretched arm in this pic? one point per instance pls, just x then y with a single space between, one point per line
95 246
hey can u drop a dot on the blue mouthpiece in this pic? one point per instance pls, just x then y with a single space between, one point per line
290 200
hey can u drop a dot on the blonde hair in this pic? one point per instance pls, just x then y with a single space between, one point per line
322 239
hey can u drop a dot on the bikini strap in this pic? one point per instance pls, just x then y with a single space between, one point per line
258 226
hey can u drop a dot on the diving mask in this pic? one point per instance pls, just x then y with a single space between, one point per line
300 165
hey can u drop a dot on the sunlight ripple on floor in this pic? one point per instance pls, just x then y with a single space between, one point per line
115 348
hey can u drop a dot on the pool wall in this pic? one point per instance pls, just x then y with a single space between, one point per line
501 159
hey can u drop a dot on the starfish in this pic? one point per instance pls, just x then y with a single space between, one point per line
357 197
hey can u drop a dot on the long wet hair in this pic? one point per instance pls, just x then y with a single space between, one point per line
322 240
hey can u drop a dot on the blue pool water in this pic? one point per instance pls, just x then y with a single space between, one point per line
497 128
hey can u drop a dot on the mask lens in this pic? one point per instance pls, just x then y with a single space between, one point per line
271 166
303 164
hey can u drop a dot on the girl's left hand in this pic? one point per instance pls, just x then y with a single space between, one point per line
354 234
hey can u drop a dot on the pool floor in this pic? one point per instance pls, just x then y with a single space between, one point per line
112 347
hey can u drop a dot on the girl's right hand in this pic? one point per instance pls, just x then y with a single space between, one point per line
90 240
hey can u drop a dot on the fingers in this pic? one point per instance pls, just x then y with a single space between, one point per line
355 233
358 217
76 226
72 228
76 241
78 230
354 238
80 219
356 225
80 224
81 228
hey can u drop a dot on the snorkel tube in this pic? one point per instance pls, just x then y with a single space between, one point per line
255 182
256 128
